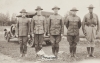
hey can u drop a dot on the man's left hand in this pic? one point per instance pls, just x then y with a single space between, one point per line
62 35
44 35
28 36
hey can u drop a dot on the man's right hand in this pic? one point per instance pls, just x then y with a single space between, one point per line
48 34
32 35
17 35
84 32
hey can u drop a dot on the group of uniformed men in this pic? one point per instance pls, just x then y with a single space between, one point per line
37 28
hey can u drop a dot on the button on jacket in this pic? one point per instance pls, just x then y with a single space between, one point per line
55 25
23 26
38 24
73 24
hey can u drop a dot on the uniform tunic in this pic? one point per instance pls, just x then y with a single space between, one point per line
55 28
23 26
73 24
90 26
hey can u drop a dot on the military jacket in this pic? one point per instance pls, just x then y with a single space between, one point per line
73 24
23 26
38 24
55 25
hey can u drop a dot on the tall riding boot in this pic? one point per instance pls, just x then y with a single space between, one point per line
56 51
40 47
92 51
21 51
21 48
71 51
74 51
53 50
25 50
36 49
88 51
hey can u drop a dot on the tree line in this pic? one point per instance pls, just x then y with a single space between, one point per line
6 20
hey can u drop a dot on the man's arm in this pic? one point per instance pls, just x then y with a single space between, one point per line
67 22
29 27
62 26
44 25
83 25
32 25
79 23
49 25
97 24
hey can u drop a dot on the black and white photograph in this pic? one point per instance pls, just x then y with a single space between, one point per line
49 31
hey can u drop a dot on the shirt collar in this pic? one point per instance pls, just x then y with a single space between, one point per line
56 14
90 13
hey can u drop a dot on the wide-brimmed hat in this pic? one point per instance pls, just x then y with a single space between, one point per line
74 9
55 8
38 7
91 6
23 11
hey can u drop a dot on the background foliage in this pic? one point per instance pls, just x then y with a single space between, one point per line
6 20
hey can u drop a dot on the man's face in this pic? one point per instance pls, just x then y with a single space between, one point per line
38 12
70 13
55 11
90 10
74 12
23 14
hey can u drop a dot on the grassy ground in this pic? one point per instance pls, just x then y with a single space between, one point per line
11 49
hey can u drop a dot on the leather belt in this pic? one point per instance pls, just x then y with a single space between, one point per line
91 25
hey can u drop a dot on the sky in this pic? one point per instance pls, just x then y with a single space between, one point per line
15 6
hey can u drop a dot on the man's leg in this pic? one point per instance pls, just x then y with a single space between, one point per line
52 39
56 49
76 40
53 48
41 39
58 39
36 39
70 40
88 48
71 49
92 49
74 49
21 46
88 51
25 39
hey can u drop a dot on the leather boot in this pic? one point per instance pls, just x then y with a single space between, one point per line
56 51
53 50
74 52
88 51
92 51
71 52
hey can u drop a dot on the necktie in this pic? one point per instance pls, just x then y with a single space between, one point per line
91 15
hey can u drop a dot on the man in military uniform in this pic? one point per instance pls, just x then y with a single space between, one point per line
90 26
55 30
73 24
38 29
23 26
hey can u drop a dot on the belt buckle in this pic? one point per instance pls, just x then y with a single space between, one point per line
92 25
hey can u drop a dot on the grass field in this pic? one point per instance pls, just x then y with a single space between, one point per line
11 49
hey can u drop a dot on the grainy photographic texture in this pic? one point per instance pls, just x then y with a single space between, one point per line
49 31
